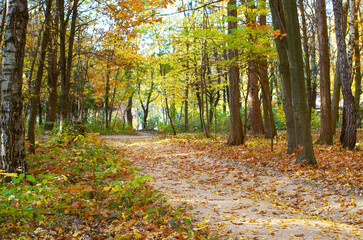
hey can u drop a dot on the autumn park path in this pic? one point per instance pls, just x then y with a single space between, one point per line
242 202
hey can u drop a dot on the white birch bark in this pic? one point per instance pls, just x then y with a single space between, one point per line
12 153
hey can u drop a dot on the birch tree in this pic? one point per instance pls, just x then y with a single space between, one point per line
12 152
348 135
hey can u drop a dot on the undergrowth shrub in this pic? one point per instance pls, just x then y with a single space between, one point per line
84 188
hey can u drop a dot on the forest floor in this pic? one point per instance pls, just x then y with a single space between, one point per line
251 193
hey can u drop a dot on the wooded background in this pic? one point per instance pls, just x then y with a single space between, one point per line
247 67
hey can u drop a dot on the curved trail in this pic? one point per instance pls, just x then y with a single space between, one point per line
238 201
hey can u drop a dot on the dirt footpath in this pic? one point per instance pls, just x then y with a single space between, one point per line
241 202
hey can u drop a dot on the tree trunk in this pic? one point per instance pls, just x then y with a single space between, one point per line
66 63
203 93
301 114
12 152
62 61
40 113
107 93
35 99
52 79
305 41
186 101
348 135
129 111
186 108
146 106
326 133
337 80
112 103
358 74
281 46
269 123
350 50
314 68
201 111
253 100
236 136
3 20
169 116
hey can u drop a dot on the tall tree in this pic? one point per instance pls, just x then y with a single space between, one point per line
301 114
12 153
348 136
305 41
146 105
337 80
256 123
62 61
35 99
357 64
236 136
253 99
269 123
279 23
66 62
53 73
326 134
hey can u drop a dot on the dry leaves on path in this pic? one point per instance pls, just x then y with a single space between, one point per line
238 192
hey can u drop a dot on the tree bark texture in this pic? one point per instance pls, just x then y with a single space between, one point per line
253 100
337 80
350 50
62 61
358 74
12 152
326 133
52 82
236 136
336 99
281 46
301 114
305 41
269 123
348 135
3 20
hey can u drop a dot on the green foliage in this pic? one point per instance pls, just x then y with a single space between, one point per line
22 200
281 122
195 125
315 119
279 115
117 127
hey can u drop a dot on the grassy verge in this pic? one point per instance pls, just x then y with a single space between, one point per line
83 189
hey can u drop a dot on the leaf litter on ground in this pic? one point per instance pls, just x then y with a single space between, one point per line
251 192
